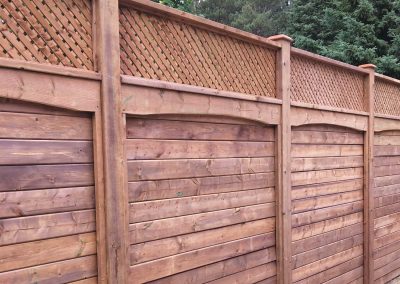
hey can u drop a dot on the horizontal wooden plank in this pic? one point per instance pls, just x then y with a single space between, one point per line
326 251
177 130
271 280
57 272
26 229
380 272
189 168
91 280
386 200
387 249
17 178
39 126
386 190
390 170
142 149
326 238
313 164
324 176
393 275
199 118
249 276
385 230
386 180
386 220
159 229
186 261
175 245
152 210
325 137
387 210
313 151
326 263
391 150
35 253
386 161
161 189
351 277
384 140
313 203
326 189
333 272
386 240
324 128
25 152
34 202
314 229
314 216
219 269
387 259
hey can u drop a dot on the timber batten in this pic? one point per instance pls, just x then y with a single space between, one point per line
141 144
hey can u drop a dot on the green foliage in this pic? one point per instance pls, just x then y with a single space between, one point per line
184 5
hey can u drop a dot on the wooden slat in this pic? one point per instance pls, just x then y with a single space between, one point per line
389 229
165 228
390 170
350 277
387 259
325 137
385 250
387 150
380 272
386 161
152 210
386 190
386 240
141 149
383 140
386 200
25 229
34 202
312 164
161 189
176 130
386 180
386 210
311 151
312 177
387 220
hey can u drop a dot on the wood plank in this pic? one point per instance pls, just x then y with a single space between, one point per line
313 203
386 180
189 168
313 164
142 149
325 128
38 126
386 190
32 228
164 228
386 161
91 280
186 261
161 189
183 130
325 137
314 229
17 178
386 220
390 170
383 140
57 272
349 277
35 202
175 245
387 259
324 176
312 151
389 229
385 250
387 150
314 216
35 253
380 272
386 210
326 238
393 275
152 210
386 200
386 240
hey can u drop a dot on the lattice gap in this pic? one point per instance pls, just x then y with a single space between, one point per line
158 48
387 98
47 31
317 83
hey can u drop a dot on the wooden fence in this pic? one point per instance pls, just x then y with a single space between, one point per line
141 144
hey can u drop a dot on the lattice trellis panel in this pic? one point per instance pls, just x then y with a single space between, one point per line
158 48
387 98
47 31
317 83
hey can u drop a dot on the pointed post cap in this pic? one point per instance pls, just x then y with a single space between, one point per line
368 66
281 37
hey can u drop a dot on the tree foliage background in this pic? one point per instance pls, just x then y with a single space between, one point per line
353 31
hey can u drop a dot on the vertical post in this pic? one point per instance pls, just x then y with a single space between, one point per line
112 131
284 199
369 87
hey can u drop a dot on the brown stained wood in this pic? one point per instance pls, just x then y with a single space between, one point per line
380 272
337 129
186 261
181 130
142 149
56 272
145 101
35 202
310 151
325 176
17 178
312 216
387 140
164 228
386 200
324 163
386 220
386 181
386 190
59 91
37 126
32 228
387 150
386 161
393 275
92 280
190 168
325 137
171 246
175 188
385 230
25 152
386 240
326 238
386 210
387 259
29 254
384 124
351 277
153 210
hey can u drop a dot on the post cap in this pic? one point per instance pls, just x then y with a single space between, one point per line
281 37
368 66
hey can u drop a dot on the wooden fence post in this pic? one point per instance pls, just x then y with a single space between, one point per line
284 201
115 203
369 87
